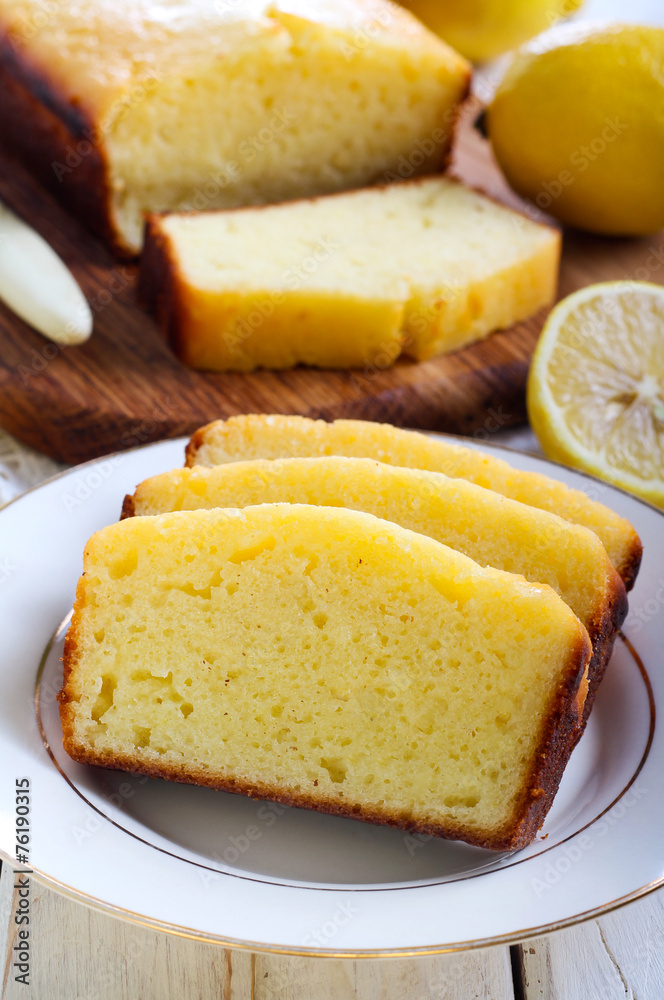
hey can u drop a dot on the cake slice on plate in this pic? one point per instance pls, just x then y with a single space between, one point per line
328 659
487 527
264 436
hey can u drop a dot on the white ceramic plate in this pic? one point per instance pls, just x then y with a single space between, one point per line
204 863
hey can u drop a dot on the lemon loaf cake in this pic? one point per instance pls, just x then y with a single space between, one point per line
324 658
258 436
127 106
346 280
484 525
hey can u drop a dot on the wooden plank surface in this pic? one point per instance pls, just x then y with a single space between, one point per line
124 387
619 957
81 954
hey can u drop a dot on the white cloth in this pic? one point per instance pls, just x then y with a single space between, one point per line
21 468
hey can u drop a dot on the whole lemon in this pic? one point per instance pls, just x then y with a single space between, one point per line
577 125
484 29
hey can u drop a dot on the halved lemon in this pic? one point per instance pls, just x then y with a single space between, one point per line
596 385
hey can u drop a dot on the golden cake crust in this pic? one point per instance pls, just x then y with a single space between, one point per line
60 133
194 317
630 564
626 557
128 507
161 289
603 630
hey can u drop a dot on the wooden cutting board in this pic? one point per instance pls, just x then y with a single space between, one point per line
124 387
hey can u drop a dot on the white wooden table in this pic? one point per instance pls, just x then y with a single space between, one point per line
80 954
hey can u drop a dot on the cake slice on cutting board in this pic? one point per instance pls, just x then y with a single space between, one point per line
131 106
328 659
356 279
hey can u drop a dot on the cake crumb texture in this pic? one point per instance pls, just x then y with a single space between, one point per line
198 105
328 659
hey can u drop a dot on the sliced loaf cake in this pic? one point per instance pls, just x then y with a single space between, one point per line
259 436
484 525
324 658
129 106
348 280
